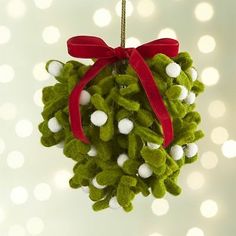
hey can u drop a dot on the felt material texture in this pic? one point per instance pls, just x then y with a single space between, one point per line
121 96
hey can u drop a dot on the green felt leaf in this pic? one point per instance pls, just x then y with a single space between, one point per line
154 157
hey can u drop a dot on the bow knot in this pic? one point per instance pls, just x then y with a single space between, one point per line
121 53
94 47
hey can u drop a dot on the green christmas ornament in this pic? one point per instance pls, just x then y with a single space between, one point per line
127 152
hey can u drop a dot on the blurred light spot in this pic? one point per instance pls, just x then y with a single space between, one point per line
204 11
42 192
7 111
209 208
209 160
19 195
155 234
102 17
40 72
16 230
145 8
43 4
206 44
2 146
35 226
219 135
195 232
16 8
2 215
24 128
229 148
216 109
195 180
132 42
167 33
5 34
6 73
160 207
129 8
62 178
51 34
210 76
15 159
38 98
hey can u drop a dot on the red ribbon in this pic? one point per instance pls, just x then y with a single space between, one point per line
94 47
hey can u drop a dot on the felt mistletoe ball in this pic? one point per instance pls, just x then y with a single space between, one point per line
126 155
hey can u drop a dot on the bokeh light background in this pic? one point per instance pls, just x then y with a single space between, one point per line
34 195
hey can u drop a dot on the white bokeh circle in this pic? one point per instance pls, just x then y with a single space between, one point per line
43 4
210 76
219 135
155 234
209 208
132 42
61 179
51 34
167 33
15 159
102 17
145 8
216 109
40 72
160 207
19 195
195 231
195 180
204 11
16 8
5 34
229 148
24 128
7 73
206 44
38 98
35 226
42 192
209 160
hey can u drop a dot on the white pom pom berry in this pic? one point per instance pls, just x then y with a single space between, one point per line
84 98
99 118
54 68
92 152
97 185
122 158
125 126
190 99
192 73
173 70
184 92
113 203
145 171
177 152
54 125
191 150
153 145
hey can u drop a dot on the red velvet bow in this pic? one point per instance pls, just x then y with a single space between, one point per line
94 47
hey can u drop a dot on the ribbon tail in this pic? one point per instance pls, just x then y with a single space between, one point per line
74 108
153 95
